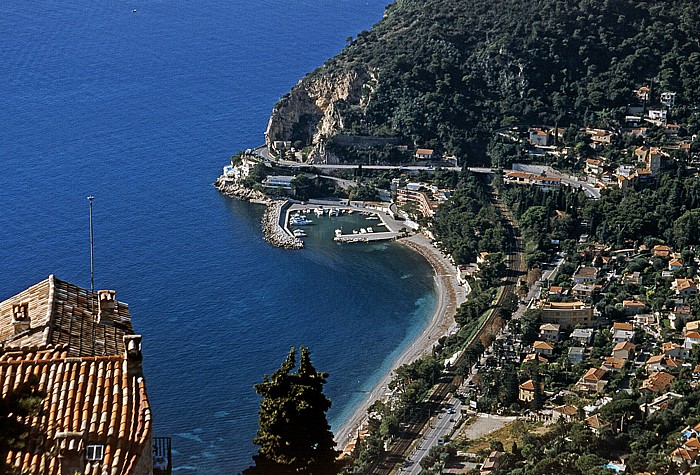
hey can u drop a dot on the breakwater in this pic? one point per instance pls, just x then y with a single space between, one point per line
272 224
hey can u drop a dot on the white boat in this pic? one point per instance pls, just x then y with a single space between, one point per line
300 221
370 230
338 232
363 231
355 231
372 218
334 212
319 212
299 233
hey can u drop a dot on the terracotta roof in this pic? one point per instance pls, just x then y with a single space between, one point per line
594 374
542 345
692 335
683 284
553 327
90 400
684 454
565 305
614 363
624 345
657 381
692 443
622 326
670 346
596 422
566 409
633 303
535 357
424 151
528 385
675 263
55 312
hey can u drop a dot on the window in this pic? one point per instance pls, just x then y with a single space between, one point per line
95 452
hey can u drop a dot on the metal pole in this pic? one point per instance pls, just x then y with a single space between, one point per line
92 264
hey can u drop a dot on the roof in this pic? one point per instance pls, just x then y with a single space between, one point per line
587 272
675 263
683 284
622 326
595 374
692 335
614 363
528 385
633 303
566 409
535 357
596 422
685 454
624 345
58 313
670 346
424 151
657 381
89 400
542 345
582 333
564 305
552 327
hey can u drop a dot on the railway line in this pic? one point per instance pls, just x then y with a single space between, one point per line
390 461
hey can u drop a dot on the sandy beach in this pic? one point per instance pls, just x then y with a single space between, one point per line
449 296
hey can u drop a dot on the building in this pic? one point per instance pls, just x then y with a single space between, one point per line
594 166
567 314
612 364
549 332
530 179
674 350
543 347
96 416
668 98
539 137
585 275
633 307
597 423
657 382
592 382
585 291
623 350
424 153
279 182
426 197
583 336
576 354
526 391
492 462
684 287
691 339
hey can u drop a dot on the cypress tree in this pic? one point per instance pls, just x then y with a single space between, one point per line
294 436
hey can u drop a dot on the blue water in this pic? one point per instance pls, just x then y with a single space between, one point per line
142 110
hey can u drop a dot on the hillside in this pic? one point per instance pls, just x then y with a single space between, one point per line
442 74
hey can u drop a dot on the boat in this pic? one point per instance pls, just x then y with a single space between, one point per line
334 212
372 218
299 233
350 211
363 231
355 231
370 230
319 212
338 232
299 221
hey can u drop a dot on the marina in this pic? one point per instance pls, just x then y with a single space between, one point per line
376 216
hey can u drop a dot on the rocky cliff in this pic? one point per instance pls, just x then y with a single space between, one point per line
313 110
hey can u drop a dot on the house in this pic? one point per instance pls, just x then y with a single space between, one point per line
684 287
593 381
679 316
643 93
691 339
623 350
424 154
567 314
583 335
693 326
597 423
482 258
81 347
599 137
586 291
594 166
279 182
633 307
567 412
668 98
657 382
661 250
658 115
661 363
635 278
555 290
675 264
492 462
539 137
530 179
612 364
526 391
674 350
660 402
535 357
543 347
585 275
576 354
549 332
620 336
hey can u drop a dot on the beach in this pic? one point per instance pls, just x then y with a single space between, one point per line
450 296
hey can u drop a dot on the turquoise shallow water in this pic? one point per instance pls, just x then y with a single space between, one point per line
142 110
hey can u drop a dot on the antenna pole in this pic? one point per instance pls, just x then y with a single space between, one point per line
92 262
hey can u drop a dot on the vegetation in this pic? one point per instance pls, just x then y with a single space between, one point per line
449 73
294 435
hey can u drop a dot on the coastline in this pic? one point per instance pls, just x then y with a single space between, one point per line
450 296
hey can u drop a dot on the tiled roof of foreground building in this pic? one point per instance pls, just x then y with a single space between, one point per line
80 347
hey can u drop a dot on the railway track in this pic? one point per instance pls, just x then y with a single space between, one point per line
389 462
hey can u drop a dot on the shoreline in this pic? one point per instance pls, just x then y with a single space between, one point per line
449 295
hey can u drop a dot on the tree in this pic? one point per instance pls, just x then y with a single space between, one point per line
294 435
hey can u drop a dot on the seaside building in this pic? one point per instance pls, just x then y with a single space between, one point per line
80 350
567 314
530 179
427 197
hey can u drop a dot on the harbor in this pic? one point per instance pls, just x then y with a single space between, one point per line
380 224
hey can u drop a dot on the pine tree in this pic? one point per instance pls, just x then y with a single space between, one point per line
294 435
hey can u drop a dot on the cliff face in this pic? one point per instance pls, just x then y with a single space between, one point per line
313 109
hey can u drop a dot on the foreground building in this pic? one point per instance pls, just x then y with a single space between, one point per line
80 349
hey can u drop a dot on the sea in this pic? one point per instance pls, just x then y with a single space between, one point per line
139 103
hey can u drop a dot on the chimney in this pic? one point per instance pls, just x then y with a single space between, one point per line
133 355
20 317
107 305
71 452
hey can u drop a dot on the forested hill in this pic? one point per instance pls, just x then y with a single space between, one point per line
444 74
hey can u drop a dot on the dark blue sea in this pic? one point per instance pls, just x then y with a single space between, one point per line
142 109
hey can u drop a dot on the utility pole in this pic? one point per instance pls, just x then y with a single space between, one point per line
92 262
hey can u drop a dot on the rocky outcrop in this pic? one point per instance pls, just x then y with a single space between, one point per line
272 222
313 110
